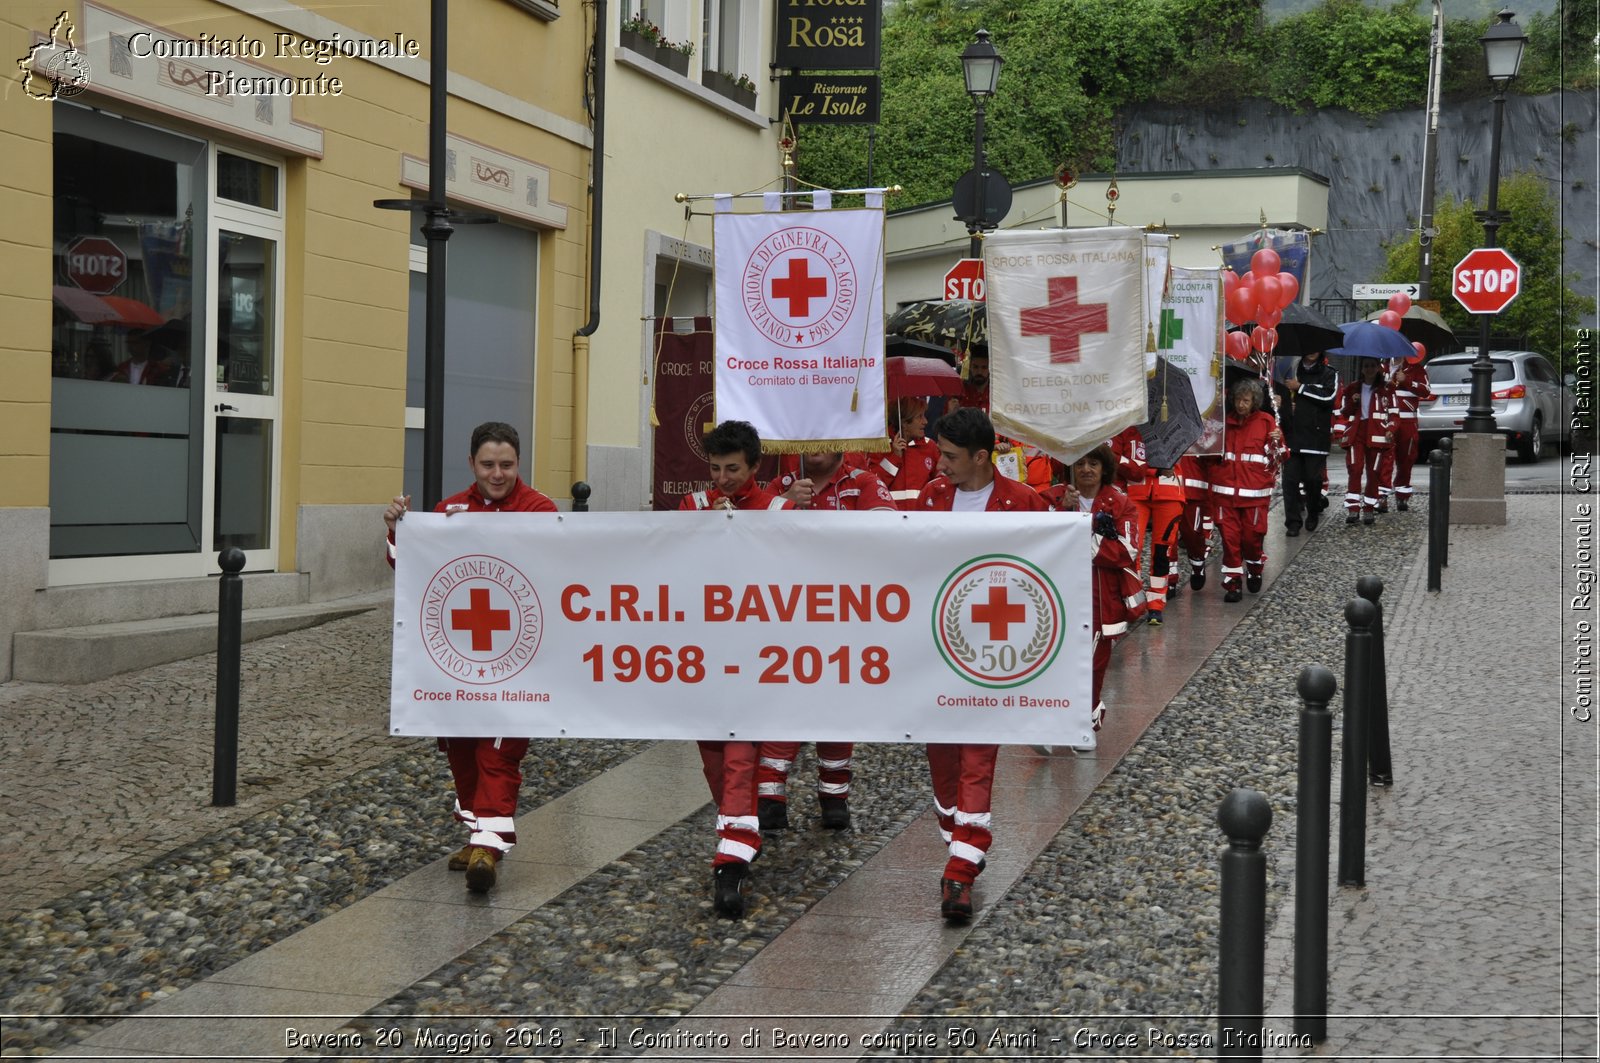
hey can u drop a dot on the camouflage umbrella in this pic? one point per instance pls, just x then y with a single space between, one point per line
959 324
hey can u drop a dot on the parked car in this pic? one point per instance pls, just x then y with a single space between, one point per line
1532 406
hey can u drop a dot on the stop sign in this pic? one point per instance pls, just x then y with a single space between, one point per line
96 265
965 280
1486 280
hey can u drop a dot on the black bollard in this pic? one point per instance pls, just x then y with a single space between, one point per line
1448 446
1353 774
230 610
1244 817
1437 517
1317 686
580 497
1380 766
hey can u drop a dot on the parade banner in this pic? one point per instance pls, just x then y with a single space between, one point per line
681 402
1292 245
1190 338
799 327
869 627
1157 265
1067 325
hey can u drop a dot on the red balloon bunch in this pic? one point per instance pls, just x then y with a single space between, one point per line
1259 296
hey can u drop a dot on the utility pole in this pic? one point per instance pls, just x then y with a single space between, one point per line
1430 154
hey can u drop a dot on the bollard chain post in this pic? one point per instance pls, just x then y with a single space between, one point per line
230 622
1317 687
1380 764
1359 614
1437 517
1447 446
580 497
1244 817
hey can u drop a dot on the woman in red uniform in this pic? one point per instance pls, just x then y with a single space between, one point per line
1364 420
1242 479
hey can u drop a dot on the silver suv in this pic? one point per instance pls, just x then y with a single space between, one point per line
1532 407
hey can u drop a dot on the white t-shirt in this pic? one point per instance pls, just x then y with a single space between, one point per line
1366 400
972 501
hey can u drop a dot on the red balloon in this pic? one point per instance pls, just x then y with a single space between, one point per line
1266 262
1400 302
1270 320
1267 295
1422 352
1390 319
1230 281
1241 304
1260 339
1289 286
1238 346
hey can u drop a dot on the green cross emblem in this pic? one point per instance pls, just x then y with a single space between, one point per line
1171 329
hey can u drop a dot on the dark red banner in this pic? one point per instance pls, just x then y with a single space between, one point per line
683 396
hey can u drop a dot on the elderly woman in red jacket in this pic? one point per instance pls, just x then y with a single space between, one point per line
1118 590
1242 479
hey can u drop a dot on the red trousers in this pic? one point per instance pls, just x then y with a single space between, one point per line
1194 531
1243 530
963 776
730 769
1364 463
1103 645
1406 445
487 774
777 759
1164 516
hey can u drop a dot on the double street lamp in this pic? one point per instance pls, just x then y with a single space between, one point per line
1502 50
980 64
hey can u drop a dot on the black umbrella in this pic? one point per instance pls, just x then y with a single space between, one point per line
1175 421
1424 326
959 324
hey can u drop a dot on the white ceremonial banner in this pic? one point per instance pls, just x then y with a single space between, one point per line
1190 337
798 333
1067 319
868 627
1157 260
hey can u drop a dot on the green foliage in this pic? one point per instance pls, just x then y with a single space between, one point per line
1345 54
1545 310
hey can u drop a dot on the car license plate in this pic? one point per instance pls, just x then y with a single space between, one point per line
1455 400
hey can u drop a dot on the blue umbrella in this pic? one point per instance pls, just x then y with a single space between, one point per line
1368 339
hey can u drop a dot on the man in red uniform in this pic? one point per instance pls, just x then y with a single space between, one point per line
975 392
842 488
1410 383
1364 424
487 771
914 460
1157 496
963 774
733 450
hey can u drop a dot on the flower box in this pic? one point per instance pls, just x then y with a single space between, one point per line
673 59
638 42
725 85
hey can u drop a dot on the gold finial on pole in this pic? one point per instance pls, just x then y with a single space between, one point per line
1112 194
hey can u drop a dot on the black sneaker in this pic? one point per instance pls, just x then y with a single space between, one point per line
1197 580
1174 588
1235 595
1154 620
1369 518
1402 506
835 812
730 884
955 900
1312 519
1253 584
772 813
1292 530
1352 517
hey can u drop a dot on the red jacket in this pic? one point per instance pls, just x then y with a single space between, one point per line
906 475
1196 478
1373 430
1410 384
1246 470
1143 484
1008 494
751 496
852 489
522 499
1118 589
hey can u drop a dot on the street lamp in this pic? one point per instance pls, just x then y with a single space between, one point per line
980 65
1502 50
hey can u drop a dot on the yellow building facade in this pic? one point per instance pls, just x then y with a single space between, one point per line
213 338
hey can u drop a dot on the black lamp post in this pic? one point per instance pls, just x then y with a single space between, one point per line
1502 49
980 64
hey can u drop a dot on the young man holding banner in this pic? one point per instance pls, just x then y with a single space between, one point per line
487 771
963 775
733 450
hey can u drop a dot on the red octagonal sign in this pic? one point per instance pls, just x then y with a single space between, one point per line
965 280
96 265
1486 280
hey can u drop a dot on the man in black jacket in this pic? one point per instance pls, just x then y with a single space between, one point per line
1305 389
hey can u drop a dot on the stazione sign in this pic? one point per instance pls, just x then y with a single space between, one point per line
829 34
827 100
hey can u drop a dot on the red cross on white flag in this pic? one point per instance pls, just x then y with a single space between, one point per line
1067 323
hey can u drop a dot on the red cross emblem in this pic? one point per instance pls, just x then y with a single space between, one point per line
999 614
1064 319
481 620
799 287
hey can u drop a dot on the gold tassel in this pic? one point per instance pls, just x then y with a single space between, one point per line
654 421
855 393
1163 408
1149 338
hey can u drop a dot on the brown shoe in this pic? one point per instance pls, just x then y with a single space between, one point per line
458 859
481 872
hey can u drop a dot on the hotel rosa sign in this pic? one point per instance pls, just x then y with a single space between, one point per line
829 34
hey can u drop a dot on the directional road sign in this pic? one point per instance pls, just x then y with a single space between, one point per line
1383 291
